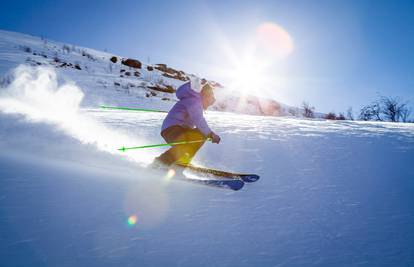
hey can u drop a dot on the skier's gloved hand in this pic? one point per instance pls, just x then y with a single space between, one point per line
215 139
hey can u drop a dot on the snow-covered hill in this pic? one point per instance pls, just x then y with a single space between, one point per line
331 193
114 80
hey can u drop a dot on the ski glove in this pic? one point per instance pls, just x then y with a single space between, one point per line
215 139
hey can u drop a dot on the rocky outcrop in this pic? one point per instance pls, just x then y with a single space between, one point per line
161 67
168 75
171 73
114 59
133 63
165 88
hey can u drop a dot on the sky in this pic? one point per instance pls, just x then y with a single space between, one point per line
332 54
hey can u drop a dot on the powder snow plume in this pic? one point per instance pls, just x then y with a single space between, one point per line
35 93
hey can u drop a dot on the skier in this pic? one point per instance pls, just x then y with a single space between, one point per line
185 122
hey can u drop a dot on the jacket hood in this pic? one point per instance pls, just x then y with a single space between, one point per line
195 83
185 91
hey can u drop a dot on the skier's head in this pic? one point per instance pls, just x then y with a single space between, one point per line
207 95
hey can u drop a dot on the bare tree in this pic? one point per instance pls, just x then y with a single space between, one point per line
386 108
293 111
341 117
371 112
308 110
393 108
330 116
364 114
405 114
333 116
350 114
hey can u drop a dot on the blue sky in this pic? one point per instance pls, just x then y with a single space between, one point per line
344 54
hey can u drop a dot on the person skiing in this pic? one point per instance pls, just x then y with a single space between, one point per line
185 122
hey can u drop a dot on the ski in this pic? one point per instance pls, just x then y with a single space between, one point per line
231 184
221 182
248 178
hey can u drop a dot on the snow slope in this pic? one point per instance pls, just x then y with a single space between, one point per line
105 82
331 193
102 81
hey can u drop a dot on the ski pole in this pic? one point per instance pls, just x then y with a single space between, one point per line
123 149
132 109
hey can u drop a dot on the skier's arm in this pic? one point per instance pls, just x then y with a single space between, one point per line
196 115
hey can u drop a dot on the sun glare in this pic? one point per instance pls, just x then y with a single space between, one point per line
248 75
249 69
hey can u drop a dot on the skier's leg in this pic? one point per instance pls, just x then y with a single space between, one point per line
186 152
172 134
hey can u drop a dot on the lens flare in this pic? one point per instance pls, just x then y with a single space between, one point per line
170 174
132 220
274 39
148 202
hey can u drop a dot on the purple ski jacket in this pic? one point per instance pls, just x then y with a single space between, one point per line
188 111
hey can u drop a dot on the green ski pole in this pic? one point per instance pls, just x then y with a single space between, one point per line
123 149
133 109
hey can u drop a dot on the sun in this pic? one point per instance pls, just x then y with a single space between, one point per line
248 75
252 65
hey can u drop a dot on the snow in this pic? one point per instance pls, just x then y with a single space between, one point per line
331 193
